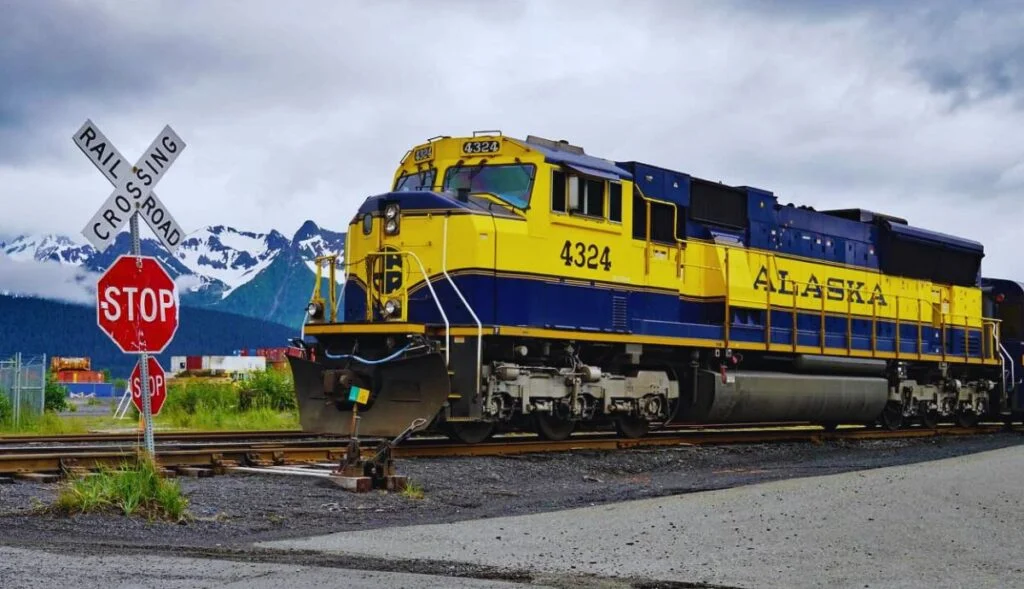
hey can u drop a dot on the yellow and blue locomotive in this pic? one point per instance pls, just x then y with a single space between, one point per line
525 284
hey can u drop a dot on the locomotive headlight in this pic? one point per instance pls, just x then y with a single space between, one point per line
391 219
391 307
314 310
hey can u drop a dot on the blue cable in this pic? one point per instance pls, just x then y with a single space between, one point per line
364 360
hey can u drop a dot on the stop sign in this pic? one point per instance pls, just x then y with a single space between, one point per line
157 386
137 304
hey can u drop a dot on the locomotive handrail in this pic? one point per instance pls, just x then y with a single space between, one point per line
479 325
433 294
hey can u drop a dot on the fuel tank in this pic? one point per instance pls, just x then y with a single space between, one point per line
754 396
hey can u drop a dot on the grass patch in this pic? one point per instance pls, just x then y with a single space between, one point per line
51 424
266 401
220 419
134 489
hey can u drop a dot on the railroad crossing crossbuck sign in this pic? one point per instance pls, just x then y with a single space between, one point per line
137 305
133 187
157 386
136 301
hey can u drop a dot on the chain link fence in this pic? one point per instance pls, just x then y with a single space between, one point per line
22 387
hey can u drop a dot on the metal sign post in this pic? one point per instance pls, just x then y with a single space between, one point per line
147 413
130 322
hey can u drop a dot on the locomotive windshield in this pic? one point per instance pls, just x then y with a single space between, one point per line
510 183
416 181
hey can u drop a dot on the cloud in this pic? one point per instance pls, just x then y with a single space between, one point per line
49 280
911 109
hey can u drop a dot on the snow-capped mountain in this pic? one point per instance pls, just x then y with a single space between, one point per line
41 248
238 271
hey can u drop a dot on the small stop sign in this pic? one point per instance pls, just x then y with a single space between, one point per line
137 304
157 386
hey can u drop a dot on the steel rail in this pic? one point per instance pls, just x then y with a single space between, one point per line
218 458
164 435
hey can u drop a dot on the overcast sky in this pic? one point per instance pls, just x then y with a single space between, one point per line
298 112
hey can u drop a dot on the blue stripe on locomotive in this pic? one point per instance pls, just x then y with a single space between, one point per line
525 301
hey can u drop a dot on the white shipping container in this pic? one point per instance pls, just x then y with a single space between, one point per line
234 363
177 365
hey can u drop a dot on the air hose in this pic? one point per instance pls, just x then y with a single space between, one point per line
364 360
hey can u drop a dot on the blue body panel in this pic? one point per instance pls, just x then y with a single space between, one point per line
533 301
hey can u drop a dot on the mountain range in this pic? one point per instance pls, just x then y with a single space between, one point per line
267 276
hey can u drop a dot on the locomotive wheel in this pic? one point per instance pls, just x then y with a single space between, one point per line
632 427
967 419
930 419
469 432
892 417
553 428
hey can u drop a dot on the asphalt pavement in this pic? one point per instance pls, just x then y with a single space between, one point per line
37 569
951 523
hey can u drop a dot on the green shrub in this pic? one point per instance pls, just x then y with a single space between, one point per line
269 389
6 409
56 396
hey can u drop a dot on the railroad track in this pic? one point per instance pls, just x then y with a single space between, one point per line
197 458
194 436
158 436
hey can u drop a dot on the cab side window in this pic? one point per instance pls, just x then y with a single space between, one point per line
615 202
558 202
585 196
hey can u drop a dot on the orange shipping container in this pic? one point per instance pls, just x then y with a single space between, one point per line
75 376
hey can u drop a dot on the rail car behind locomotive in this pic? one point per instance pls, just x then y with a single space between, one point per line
524 284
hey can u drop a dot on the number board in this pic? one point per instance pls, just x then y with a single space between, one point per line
486 146
423 153
581 254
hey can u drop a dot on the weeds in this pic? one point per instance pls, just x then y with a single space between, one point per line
412 490
269 389
136 489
